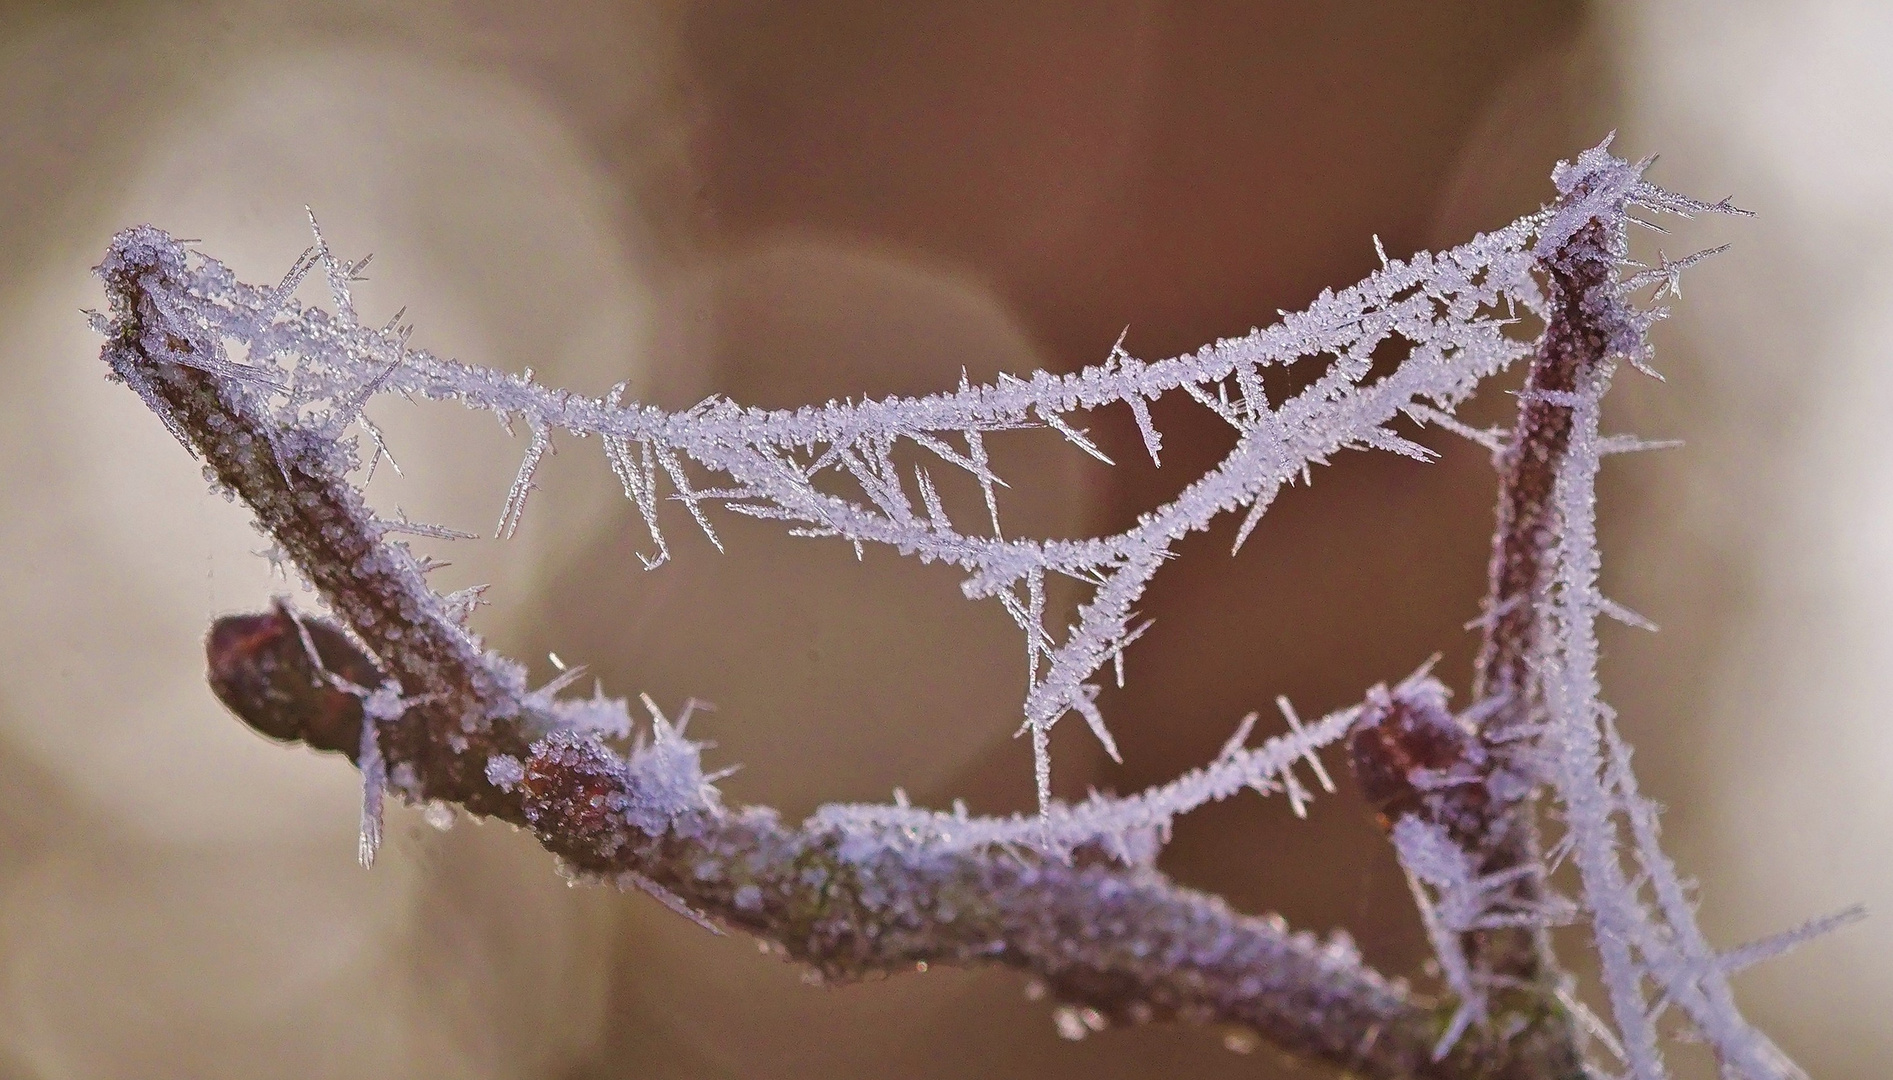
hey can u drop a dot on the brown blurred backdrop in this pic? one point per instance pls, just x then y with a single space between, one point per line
790 202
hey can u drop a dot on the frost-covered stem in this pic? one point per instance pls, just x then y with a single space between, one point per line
1118 943
1580 273
290 479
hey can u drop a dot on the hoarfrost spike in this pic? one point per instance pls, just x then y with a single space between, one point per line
374 781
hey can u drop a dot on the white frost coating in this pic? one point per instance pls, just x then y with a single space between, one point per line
1131 828
598 714
665 776
504 771
1453 898
383 703
832 471
1448 895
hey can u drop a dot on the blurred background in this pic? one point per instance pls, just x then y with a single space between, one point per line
791 202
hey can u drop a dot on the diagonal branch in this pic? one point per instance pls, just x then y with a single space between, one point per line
1571 347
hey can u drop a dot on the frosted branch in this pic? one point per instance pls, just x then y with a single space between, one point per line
1070 894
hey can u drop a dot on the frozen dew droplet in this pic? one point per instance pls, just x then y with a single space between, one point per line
438 814
1241 1041
1340 948
1069 1024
